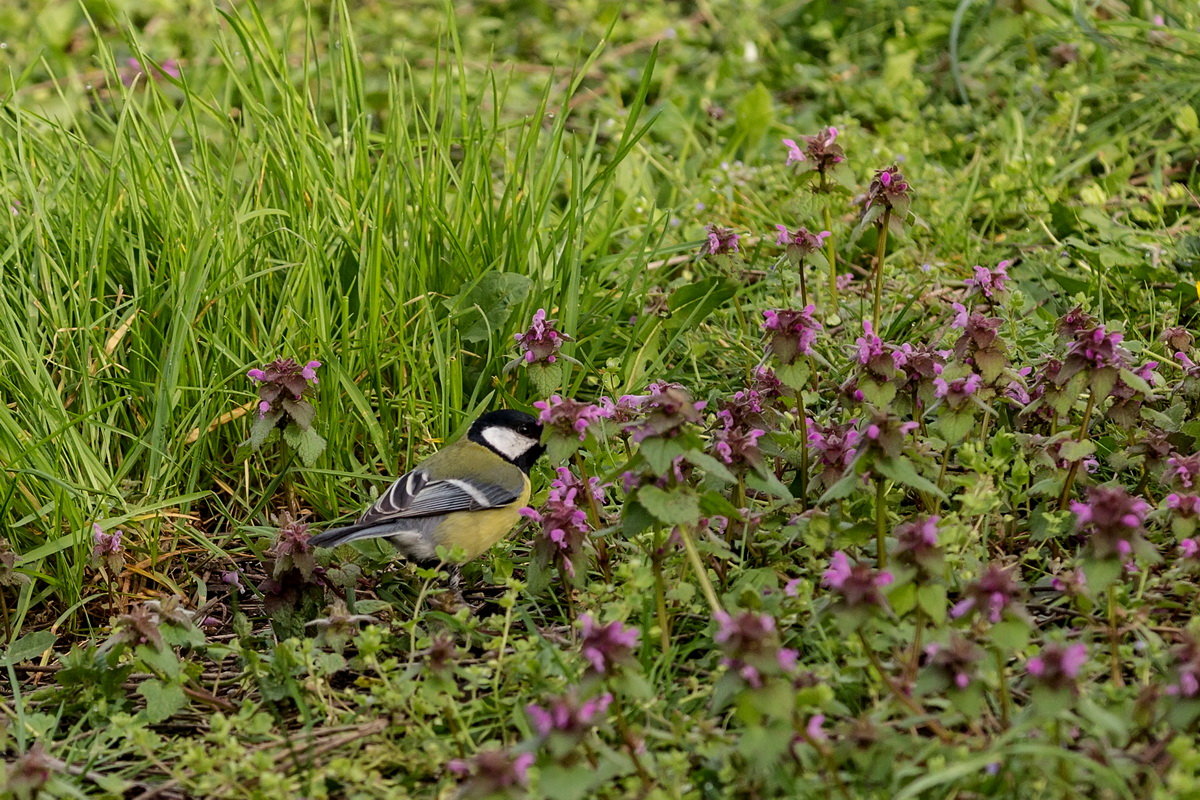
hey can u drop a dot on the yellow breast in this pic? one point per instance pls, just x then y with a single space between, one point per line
476 531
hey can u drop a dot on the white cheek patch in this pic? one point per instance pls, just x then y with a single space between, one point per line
509 443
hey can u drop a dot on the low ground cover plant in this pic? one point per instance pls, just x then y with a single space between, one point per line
873 463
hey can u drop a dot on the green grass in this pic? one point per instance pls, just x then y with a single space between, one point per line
394 193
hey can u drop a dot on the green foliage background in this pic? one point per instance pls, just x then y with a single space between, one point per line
393 189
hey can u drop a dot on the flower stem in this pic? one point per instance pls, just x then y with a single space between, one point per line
901 695
880 252
1114 638
830 254
802 478
1083 427
693 555
660 600
880 523
1005 702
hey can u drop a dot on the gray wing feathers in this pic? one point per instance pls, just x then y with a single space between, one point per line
407 512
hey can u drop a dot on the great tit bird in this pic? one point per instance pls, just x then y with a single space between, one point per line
465 495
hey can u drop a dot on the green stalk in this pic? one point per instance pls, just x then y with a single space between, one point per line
880 252
693 555
1083 426
1005 701
880 523
1114 638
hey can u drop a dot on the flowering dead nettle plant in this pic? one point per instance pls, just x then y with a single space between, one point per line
295 590
720 241
284 389
540 354
752 652
565 523
568 423
491 773
108 552
606 648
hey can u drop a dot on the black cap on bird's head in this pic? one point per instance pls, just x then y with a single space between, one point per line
513 435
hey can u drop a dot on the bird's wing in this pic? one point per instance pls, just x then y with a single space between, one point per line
416 495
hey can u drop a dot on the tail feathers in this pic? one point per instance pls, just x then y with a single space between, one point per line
411 543
349 533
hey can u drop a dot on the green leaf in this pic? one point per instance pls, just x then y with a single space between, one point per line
301 411
794 376
29 647
876 393
162 699
1077 450
262 428
901 470
710 465
903 599
765 481
955 425
546 378
560 448
1101 573
659 453
754 115
308 444
678 506
486 306
932 599
1010 634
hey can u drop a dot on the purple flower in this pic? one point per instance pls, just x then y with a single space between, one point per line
30 771
542 341
884 434
955 662
567 715
1057 666
993 594
890 190
1113 519
1177 338
134 70
105 544
1184 470
1071 583
283 386
292 550
790 333
1187 668
734 443
917 543
751 646
1074 322
669 408
990 282
880 360
980 342
721 241
821 150
800 242
1189 548
813 730
568 418
795 154
857 585
565 526
606 646
491 772
835 447
957 392
233 579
